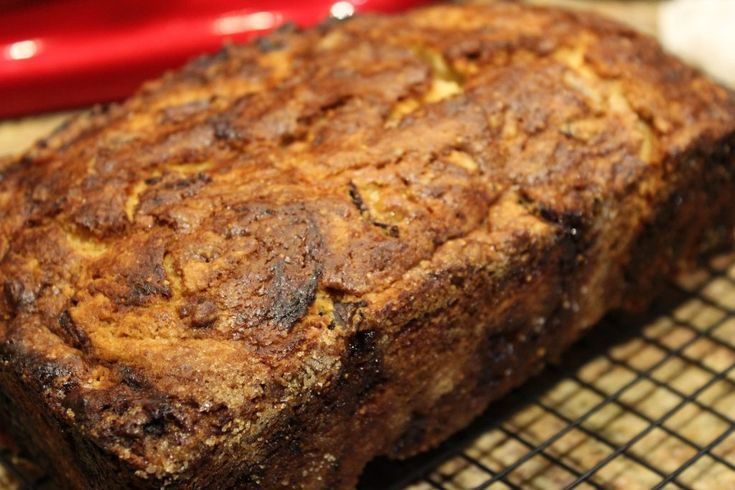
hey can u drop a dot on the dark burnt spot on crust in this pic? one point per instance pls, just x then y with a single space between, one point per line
191 183
47 376
391 230
356 198
290 438
282 247
17 294
344 312
574 223
160 415
130 412
132 277
458 280
365 361
362 344
570 220
290 301
188 144
164 195
74 336
224 130
102 210
201 311
132 377
49 373
77 403
140 292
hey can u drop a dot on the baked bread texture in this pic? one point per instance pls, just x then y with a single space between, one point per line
295 255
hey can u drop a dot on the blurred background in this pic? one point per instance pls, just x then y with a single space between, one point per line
58 56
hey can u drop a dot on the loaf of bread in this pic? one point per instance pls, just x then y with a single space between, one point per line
298 254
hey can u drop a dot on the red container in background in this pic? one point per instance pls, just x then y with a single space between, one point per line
67 53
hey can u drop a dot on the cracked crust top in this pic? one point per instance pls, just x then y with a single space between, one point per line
216 238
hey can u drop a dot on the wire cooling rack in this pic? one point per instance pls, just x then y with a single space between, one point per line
641 402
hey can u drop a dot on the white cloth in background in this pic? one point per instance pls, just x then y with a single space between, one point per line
701 32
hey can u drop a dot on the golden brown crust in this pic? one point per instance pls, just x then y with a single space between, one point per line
363 228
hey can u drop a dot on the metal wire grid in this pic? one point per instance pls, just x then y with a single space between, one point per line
641 403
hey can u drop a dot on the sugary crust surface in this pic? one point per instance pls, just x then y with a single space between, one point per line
184 272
